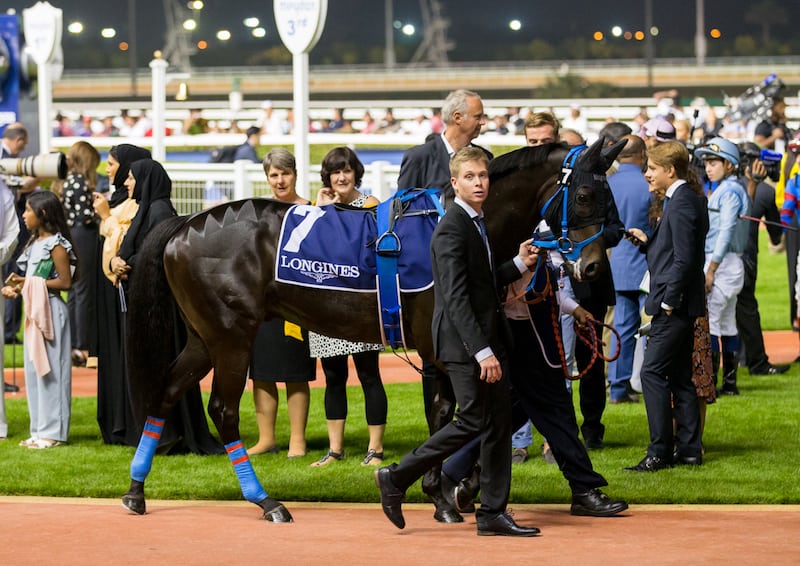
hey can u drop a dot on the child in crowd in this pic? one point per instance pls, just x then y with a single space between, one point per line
47 261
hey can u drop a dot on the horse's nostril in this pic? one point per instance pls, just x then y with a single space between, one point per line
591 270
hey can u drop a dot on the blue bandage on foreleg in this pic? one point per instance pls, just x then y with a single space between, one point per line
143 459
251 488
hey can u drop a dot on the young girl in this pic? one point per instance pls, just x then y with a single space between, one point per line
47 261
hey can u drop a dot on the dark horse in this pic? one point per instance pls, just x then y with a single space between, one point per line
218 268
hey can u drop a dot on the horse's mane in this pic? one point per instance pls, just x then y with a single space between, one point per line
522 158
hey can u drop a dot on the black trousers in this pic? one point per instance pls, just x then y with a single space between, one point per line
483 411
540 390
748 320
592 385
792 247
667 380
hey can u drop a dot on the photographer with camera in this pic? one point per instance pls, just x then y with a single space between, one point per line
14 141
773 133
748 319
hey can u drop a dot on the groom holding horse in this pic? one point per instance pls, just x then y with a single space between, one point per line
471 336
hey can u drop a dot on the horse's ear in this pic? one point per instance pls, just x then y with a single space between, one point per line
610 153
591 159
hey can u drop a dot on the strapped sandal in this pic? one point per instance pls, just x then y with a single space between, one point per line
42 444
372 458
28 441
329 457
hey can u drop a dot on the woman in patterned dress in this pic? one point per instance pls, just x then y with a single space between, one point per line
341 174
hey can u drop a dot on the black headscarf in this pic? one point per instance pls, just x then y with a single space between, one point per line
125 154
152 184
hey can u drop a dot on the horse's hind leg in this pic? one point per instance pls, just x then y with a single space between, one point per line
229 382
189 368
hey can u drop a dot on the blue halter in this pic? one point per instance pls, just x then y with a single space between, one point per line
563 245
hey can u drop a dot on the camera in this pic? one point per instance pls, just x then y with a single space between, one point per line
756 102
47 165
749 152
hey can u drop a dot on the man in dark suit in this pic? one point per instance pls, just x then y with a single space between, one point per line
470 337
675 257
428 165
424 166
748 318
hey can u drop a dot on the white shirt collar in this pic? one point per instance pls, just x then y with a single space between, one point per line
471 211
673 187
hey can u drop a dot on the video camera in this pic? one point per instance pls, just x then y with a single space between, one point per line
46 165
756 102
749 152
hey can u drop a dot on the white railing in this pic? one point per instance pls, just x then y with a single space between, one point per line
196 186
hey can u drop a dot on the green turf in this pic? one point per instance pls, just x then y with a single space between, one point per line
751 442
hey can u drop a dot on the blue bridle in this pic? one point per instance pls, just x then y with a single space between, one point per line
566 247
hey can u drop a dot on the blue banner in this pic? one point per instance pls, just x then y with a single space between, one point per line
9 71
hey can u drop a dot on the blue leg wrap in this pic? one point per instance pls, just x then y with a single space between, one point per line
251 488
730 343
143 459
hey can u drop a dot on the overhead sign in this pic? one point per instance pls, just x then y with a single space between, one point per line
300 23
42 24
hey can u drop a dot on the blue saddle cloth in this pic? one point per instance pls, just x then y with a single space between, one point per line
333 247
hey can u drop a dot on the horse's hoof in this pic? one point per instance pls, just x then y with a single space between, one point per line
134 503
275 512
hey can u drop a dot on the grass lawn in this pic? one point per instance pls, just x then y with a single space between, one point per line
751 444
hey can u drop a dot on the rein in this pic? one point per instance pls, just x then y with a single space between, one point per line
586 334
566 247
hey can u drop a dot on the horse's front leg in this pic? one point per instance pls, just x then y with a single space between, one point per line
190 367
223 408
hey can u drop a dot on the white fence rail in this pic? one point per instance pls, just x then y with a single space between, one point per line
196 186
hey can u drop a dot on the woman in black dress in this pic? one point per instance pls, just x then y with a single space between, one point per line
186 429
114 414
280 351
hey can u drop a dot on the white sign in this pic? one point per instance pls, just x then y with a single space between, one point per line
300 23
42 24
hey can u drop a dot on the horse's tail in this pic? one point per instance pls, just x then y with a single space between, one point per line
151 319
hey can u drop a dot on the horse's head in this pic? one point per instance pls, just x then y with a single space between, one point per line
576 210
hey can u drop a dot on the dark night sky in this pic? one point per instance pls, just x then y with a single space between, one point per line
471 20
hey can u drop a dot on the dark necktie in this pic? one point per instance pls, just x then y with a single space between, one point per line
664 206
482 229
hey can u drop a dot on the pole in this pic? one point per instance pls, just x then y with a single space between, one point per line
649 47
301 152
159 102
389 55
700 33
45 103
132 62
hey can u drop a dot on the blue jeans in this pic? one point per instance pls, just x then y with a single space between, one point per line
523 437
627 318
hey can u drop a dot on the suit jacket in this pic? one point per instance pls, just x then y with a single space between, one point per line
428 166
632 197
675 255
467 315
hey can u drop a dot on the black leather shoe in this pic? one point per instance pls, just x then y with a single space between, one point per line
391 497
770 370
650 464
10 387
688 460
595 503
503 525
464 498
594 443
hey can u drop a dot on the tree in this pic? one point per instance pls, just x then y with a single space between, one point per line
766 14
